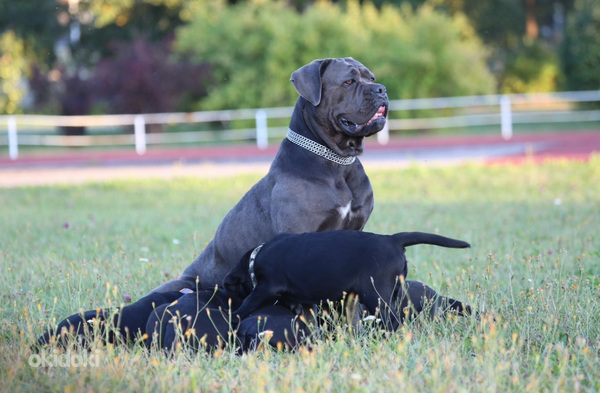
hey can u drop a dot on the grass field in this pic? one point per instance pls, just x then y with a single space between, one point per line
534 266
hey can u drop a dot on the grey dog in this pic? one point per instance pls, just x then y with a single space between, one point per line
313 267
315 182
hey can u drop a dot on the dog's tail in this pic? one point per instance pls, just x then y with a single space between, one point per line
405 239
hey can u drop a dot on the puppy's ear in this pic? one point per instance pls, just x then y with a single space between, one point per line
238 282
231 283
307 80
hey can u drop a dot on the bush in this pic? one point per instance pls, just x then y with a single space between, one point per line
13 69
423 53
533 69
141 78
253 47
239 42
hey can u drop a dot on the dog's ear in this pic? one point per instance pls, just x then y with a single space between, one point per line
231 283
307 80
237 281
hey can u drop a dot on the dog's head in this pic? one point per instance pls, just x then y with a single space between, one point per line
238 282
345 102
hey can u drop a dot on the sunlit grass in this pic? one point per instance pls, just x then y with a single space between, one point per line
533 268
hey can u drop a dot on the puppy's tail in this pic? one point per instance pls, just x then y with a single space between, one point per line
405 239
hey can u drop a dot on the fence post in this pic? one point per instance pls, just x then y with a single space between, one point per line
139 128
506 117
262 133
13 144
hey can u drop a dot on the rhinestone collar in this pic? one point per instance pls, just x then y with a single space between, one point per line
251 265
318 149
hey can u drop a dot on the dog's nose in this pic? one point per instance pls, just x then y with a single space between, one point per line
378 89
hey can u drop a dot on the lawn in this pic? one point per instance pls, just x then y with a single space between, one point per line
534 269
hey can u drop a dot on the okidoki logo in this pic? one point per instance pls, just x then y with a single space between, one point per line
68 359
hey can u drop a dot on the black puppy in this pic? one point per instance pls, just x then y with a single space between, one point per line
415 298
312 267
203 320
274 324
125 324
200 318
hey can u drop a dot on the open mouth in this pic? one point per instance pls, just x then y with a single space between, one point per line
381 112
353 127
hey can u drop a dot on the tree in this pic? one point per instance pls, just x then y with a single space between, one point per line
64 41
424 53
581 47
534 68
13 71
34 23
253 47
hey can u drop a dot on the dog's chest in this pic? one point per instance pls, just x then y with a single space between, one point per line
345 210
353 204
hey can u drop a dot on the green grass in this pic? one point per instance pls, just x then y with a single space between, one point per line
534 265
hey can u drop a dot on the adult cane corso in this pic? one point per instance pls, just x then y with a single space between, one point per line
312 267
315 183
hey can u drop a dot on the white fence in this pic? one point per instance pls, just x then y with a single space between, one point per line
490 110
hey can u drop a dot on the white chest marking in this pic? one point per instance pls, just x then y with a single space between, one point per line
344 210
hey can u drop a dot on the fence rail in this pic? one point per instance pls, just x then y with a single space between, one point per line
485 110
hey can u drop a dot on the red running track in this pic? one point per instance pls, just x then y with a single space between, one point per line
539 146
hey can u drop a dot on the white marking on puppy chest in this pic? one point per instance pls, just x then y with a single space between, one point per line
345 210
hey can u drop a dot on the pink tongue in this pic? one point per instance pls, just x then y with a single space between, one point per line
380 113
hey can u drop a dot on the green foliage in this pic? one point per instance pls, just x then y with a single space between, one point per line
254 46
422 53
236 41
14 69
121 12
35 22
499 23
534 69
581 48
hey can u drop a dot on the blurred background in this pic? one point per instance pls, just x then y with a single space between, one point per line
127 57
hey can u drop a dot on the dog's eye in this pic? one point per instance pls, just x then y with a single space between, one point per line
349 82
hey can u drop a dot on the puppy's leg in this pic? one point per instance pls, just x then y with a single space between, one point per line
282 328
446 304
206 329
259 297
77 326
417 297
157 325
413 298
438 304
389 317
131 320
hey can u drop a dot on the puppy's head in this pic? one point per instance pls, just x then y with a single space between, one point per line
238 281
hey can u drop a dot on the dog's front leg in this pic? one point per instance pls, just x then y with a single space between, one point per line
258 297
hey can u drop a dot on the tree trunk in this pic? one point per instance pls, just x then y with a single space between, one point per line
531 26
